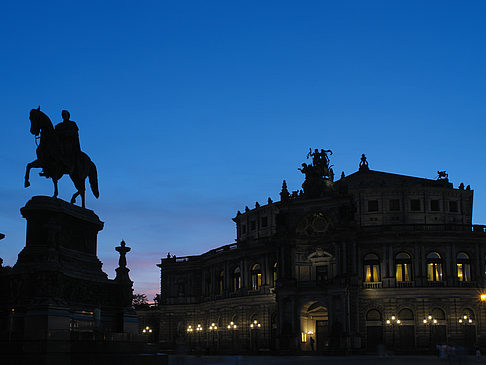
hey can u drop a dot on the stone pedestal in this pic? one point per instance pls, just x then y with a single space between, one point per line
60 237
60 305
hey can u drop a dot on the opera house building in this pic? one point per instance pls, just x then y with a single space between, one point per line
340 266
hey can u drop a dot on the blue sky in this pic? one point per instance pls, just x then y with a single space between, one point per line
193 109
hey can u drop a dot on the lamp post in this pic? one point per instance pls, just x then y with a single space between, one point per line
392 322
464 321
11 319
254 327
148 331
212 329
190 331
429 322
199 330
232 327
482 298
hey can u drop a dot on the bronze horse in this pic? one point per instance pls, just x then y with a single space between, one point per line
49 159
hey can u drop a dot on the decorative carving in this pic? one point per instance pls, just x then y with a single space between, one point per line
315 223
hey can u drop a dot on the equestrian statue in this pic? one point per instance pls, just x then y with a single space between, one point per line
59 153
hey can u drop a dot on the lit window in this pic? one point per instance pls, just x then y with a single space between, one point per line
463 267
434 267
371 268
256 277
236 279
403 267
274 273
220 282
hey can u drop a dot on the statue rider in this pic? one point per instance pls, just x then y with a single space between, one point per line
67 134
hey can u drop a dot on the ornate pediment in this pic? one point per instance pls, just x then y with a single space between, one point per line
319 255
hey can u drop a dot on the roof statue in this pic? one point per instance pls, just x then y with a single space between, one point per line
442 175
363 164
59 153
318 175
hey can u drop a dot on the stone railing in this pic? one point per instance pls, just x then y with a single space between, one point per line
476 228
405 284
372 285
435 284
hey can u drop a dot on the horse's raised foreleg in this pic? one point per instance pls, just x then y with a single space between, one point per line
75 195
33 164
56 192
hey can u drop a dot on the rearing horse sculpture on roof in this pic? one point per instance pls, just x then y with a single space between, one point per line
58 153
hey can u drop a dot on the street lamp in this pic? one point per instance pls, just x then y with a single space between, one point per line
464 321
199 330
255 325
232 327
392 322
430 321
147 330
212 329
190 331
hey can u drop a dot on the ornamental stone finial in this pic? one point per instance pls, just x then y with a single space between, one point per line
122 270
363 164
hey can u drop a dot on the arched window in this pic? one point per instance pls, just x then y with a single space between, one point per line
254 322
468 316
463 267
403 267
256 277
207 288
275 274
405 315
434 267
233 324
373 315
236 279
371 268
485 265
438 313
221 282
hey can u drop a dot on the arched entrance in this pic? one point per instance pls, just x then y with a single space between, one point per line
314 324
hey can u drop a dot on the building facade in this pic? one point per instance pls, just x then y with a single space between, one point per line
372 258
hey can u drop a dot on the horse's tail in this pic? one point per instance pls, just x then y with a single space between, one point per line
93 179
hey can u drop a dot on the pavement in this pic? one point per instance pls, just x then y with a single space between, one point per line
321 360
